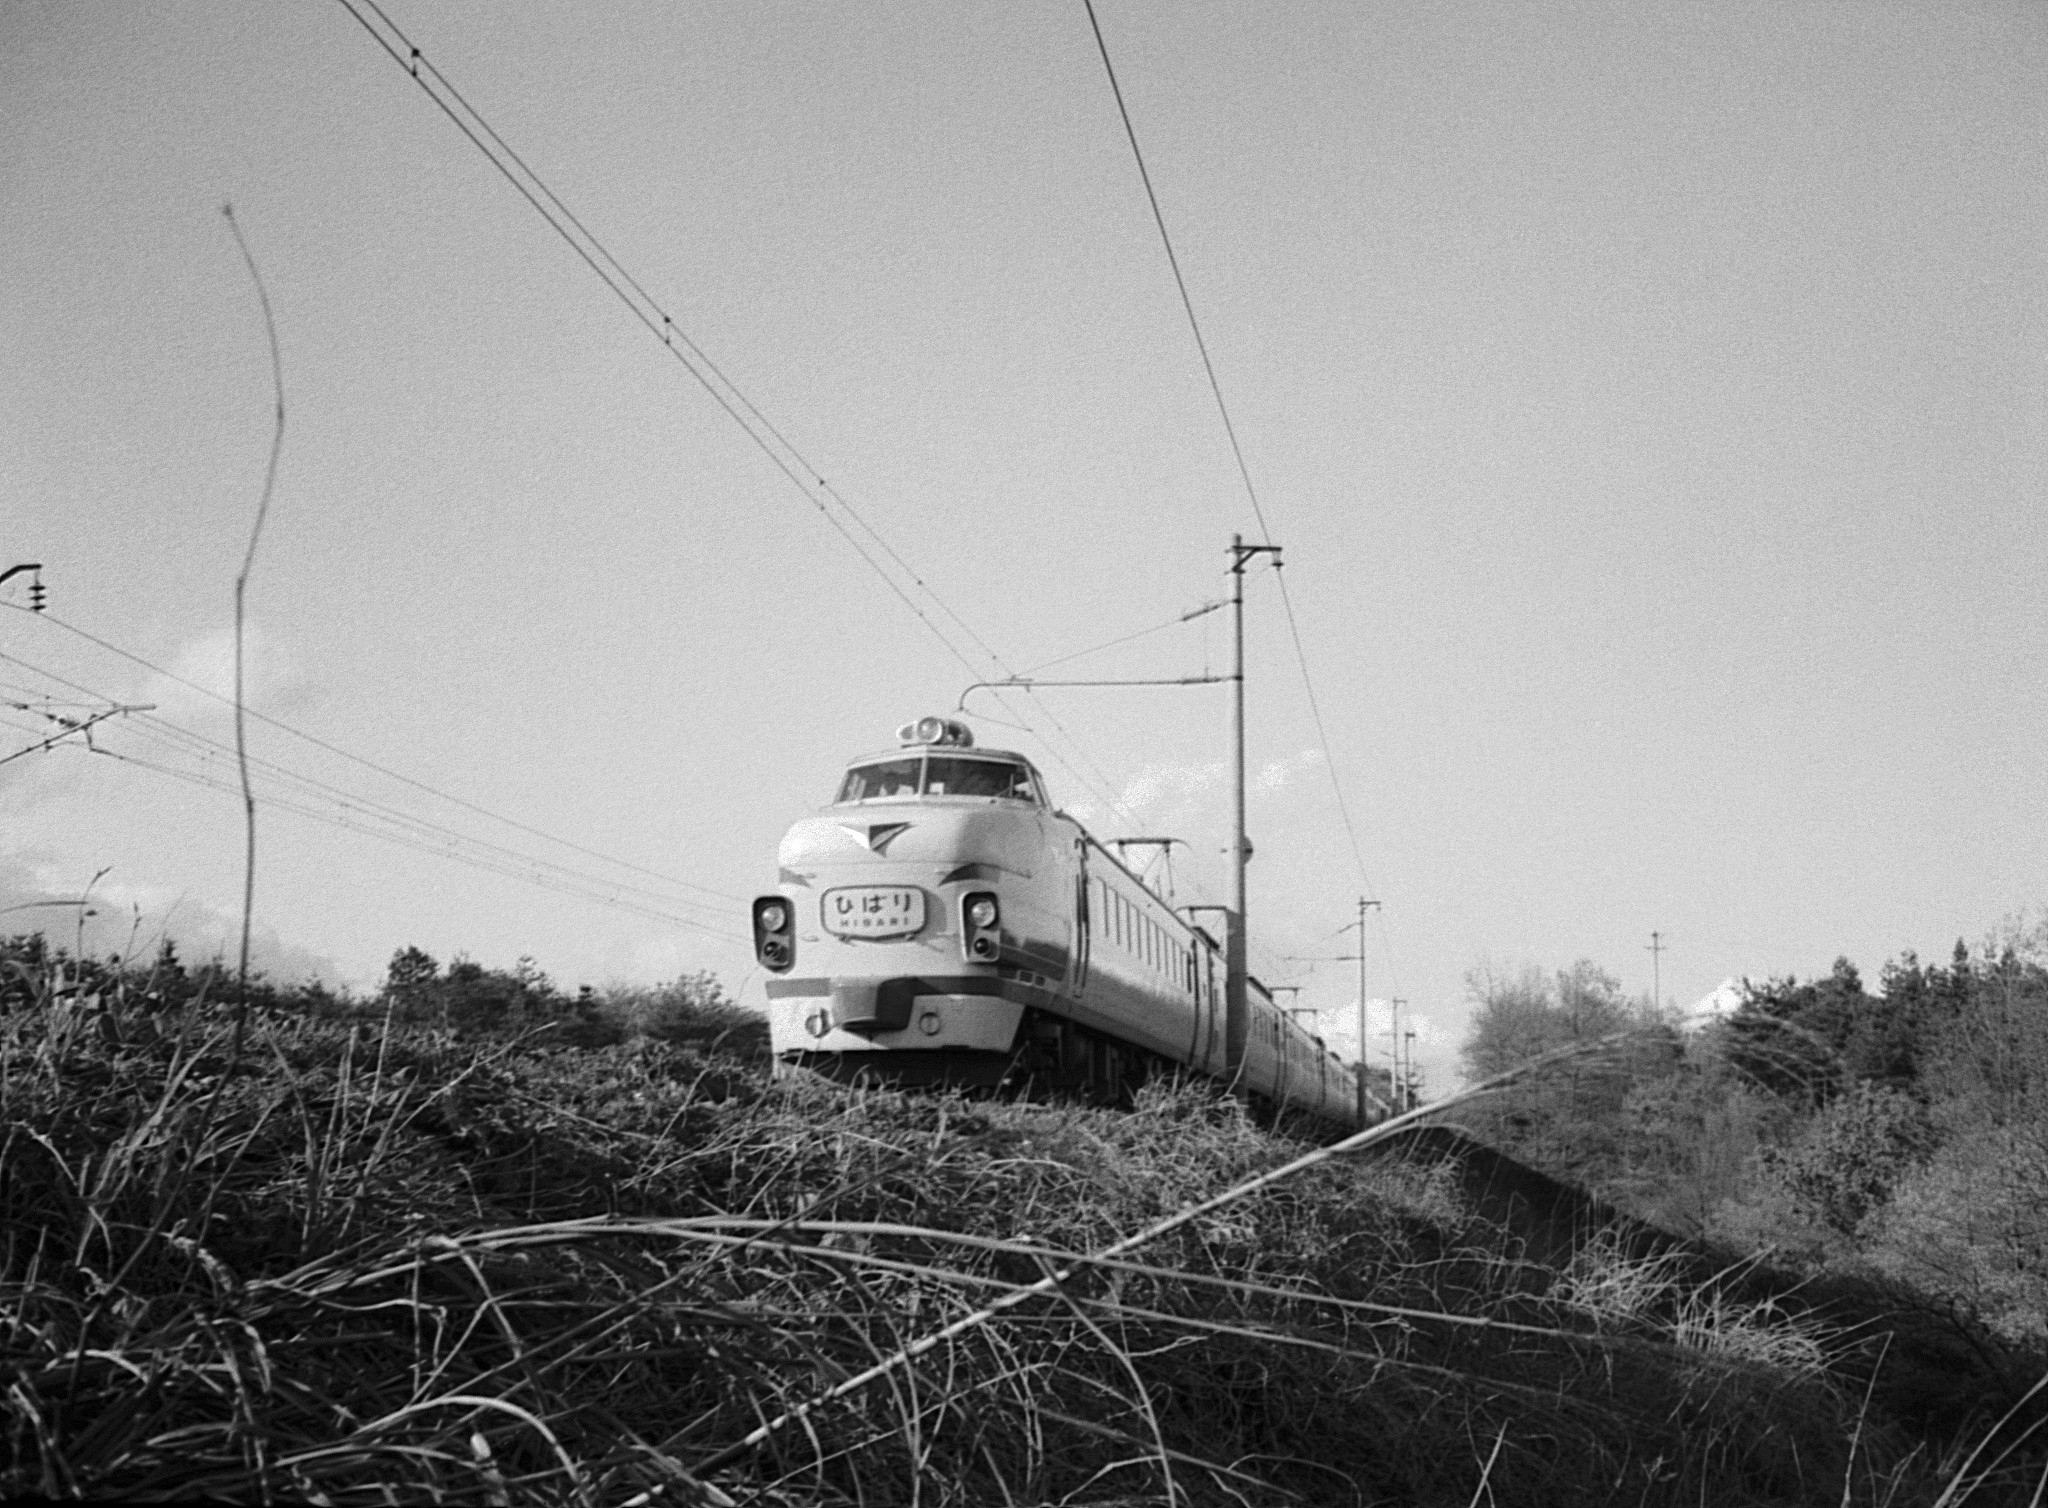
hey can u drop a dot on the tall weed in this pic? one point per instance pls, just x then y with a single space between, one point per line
363 1260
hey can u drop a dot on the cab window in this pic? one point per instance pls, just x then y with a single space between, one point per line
880 781
948 776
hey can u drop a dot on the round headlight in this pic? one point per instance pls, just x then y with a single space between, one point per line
774 916
930 730
983 912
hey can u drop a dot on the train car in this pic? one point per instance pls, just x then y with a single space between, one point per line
940 922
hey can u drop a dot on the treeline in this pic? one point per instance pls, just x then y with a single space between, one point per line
1901 1132
464 998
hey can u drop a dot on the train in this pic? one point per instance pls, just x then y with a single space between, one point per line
941 922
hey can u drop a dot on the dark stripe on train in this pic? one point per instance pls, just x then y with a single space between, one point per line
1049 956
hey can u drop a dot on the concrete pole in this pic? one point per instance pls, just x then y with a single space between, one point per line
1237 1009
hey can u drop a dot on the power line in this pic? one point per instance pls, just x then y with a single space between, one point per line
186 741
368 764
645 308
1186 302
594 891
401 828
1237 452
1322 733
1157 628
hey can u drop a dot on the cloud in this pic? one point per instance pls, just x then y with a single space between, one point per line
1156 784
1276 774
1162 785
271 674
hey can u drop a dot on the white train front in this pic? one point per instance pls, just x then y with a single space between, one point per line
940 922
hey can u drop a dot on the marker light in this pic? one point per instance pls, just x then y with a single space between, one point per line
774 933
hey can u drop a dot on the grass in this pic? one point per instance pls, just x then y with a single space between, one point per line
363 1262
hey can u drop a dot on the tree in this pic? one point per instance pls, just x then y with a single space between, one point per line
410 971
1793 1038
1523 1017
1567 1115
1851 1155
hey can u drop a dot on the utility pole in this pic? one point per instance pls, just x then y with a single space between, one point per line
1396 1078
1237 1012
1363 903
1656 973
1408 1084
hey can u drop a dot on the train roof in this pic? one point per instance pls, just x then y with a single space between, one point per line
903 750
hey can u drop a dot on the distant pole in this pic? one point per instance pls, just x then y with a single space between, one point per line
1361 1010
1394 1073
1656 949
1362 1038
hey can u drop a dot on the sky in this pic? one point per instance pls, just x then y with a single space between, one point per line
1649 400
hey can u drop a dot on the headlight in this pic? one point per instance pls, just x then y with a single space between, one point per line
774 917
983 912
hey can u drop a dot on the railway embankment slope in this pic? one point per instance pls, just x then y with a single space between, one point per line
355 1259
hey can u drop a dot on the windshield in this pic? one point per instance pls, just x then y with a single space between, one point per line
976 777
881 780
938 775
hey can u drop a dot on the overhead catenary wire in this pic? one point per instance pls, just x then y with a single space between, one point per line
184 740
1187 301
357 759
1336 786
1237 453
791 462
596 892
1158 628
365 815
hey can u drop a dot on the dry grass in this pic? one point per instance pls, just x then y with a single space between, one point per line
361 1263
